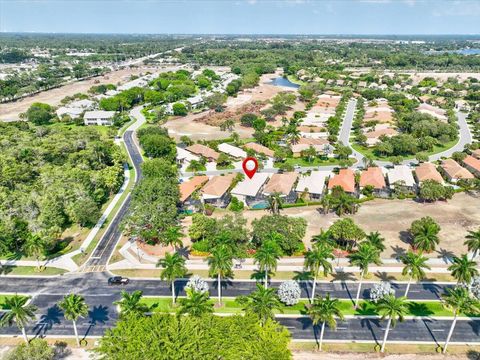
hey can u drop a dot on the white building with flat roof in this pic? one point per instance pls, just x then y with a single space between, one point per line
249 190
74 113
233 151
99 117
400 174
314 184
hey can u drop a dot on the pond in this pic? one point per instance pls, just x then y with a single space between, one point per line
281 81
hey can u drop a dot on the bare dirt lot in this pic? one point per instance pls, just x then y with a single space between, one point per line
392 218
205 125
10 111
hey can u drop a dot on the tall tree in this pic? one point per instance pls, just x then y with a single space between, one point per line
463 269
267 258
74 307
318 258
196 303
460 301
324 311
173 268
366 255
414 265
130 303
425 234
275 203
262 302
35 246
220 264
376 240
393 309
19 313
473 242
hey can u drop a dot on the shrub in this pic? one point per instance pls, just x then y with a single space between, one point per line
289 292
380 290
37 349
197 284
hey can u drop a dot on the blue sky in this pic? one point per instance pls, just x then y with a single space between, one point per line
242 16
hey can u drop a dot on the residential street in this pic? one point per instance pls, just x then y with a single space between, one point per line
100 297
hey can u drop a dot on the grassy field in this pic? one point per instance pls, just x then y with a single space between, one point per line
367 151
31 270
424 308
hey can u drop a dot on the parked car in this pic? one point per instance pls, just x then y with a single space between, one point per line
118 280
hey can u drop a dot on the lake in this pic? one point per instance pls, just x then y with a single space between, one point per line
281 81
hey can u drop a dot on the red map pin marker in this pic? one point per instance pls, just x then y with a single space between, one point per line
250 166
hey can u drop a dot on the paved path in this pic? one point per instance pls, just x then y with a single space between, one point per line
105 247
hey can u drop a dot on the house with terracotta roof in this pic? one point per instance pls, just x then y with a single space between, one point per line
454 171
282 184
298 148
231 150
205 151
373 137
476 154
427 171
260 149
313 184
345 179
434 111
215 191
187 188
373 176
473 165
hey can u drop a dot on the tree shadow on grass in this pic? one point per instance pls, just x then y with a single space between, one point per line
419 309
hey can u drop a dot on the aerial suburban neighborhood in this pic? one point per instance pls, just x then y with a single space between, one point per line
203 190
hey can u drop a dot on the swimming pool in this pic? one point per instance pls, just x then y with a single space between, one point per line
260 205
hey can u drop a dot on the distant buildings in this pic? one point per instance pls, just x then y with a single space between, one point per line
99 117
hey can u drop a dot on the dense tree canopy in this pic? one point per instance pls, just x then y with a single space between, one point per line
187 337
52 177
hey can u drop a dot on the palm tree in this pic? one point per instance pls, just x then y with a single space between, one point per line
473 242
173 236
74 307
220 264
196 304
414 267
275 203
459 301
130 303
325 311
394 309
427 238
376 240
318 258
463 269
365 255
173 267
267 258
35 246
325 237
261 302
19 313
326 203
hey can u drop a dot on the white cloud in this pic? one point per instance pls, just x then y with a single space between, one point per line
456 8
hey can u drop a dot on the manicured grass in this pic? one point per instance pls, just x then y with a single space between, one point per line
201 168
367 151
31 270
228 167
295 80
304 163
229 305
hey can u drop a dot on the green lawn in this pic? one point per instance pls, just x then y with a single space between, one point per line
228 167
31 270
201 168
427 308
368 151
304 163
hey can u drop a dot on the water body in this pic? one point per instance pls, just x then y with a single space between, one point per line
281 81
461 52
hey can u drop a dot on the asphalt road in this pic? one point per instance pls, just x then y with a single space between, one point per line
102 315
107 243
